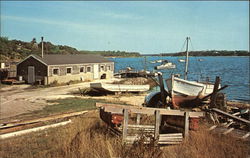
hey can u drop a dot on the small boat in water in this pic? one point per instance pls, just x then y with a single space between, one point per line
119 87
160 61
186 93
165 65
157 61
181 60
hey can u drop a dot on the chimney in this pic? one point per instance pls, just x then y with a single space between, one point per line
42 46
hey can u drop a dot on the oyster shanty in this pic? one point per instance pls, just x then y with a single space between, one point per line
64 68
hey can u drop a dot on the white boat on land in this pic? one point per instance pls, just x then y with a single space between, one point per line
165 65
181 60
119 87
186 93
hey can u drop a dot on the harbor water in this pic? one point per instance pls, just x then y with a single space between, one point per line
234 71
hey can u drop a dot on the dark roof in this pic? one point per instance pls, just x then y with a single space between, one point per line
71 59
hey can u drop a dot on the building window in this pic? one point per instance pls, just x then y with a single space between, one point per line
81 69
102 68
88 69
56 71
69 70
108 67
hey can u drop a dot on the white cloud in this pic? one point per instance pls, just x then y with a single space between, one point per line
95 28
43 21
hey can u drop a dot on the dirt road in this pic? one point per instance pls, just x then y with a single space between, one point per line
19 99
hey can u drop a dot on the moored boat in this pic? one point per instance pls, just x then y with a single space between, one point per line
181 60
165 65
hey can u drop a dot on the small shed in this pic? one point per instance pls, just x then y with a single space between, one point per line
64 68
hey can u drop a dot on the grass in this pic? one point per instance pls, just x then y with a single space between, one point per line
60 106
88 137
69 104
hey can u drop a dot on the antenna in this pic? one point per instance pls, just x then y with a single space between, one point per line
42 46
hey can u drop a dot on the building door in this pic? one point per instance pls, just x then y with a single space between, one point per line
31 74
96 71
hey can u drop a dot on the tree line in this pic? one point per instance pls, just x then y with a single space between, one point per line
208 53
17 49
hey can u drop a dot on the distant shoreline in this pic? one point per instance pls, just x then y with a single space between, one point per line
166 56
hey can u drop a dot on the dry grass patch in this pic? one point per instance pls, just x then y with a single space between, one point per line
204 144
88 137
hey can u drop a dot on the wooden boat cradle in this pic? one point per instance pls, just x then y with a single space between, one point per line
117 118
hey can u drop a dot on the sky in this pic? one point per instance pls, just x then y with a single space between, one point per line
147 27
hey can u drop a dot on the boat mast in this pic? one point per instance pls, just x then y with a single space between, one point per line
186 66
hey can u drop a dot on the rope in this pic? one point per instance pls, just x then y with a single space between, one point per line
196 61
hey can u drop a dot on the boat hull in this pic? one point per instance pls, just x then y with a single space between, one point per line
187 93
119 87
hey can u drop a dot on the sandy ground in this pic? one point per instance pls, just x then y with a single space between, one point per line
19 99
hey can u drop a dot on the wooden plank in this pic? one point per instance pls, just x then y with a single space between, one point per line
18 133
131 139
142 111
228 131
212 127
98 104
171 135
216 86
170 139
113 110
186 128
228 124
141 126
141 129
138 118
246 135
125 125
117 108
49 118
157 124
231 116
169 143
162 89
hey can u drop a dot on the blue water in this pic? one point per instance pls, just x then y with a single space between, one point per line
234 71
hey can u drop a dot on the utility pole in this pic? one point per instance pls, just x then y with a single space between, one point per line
42 46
